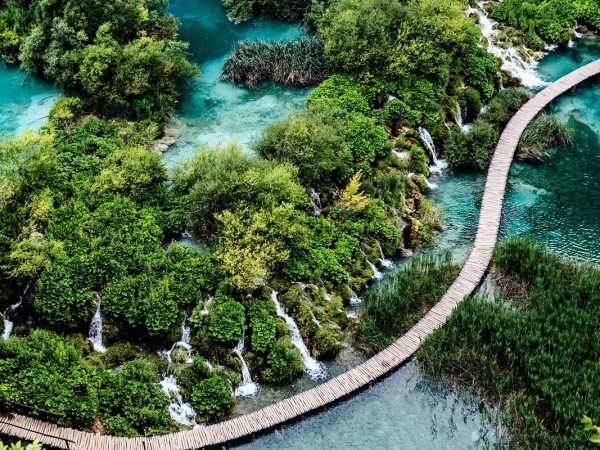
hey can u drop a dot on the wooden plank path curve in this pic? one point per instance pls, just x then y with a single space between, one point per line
367 372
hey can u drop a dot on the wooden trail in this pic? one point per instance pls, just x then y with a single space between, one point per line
360 376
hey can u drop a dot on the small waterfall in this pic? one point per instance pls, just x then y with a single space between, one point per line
459 120
385 263
248 388
207 303
315 201
8 324
327 297
512 61
314 319
377 275
180 411
313 368
184 343
352 315
354 298
95 333
438 164
186 235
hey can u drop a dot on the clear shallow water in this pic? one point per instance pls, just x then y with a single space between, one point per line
215 111
25 101
404 411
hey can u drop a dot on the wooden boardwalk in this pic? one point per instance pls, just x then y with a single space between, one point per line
360 376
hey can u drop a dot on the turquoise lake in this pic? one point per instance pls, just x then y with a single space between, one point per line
24 100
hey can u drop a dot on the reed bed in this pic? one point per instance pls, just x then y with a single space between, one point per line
292 63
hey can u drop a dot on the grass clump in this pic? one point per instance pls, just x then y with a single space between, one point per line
292 63
404 298
533 351
545 132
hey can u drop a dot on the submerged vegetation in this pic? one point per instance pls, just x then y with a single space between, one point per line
533 349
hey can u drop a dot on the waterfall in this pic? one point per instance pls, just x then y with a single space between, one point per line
207 303
459 120
248 388
315 201
354 298
377 275
95 333
512 61
327 297
180 411
352 315
314 319
186 235
8 324
386 263
184 343
438 164
313 368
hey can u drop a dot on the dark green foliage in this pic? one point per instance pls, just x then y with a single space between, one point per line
473 149
131 400
341 92
263 326
226 322
242 10
504 105
292 63
284 363
534 350
211 397
404 297
122 58
545 132
553 21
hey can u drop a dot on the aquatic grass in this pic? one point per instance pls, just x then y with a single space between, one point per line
545 132
292 63
538 359
403 298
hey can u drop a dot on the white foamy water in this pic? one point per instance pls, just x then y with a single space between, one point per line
465 128
512 61
207 303
377 275
248 388
180 411
437 164
315 201
313 368
386 263
95 333
354 298
8 324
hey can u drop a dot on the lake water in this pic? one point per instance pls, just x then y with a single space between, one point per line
24 100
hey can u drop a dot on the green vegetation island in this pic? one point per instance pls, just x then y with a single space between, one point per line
140 299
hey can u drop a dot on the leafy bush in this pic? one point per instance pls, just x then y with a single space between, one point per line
341 92
242 10
284 363
263 326
473 149
226 322
546 131
212 397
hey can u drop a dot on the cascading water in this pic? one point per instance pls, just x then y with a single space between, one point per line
315 201
8 324
386 263
512 61
377 275
313 368
459 120
207 303
248 388
438 164
180 411
95 333
354 298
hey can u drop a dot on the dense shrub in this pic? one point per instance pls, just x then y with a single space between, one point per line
211 397
546 131
473 149
533 350
284 363
242 10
